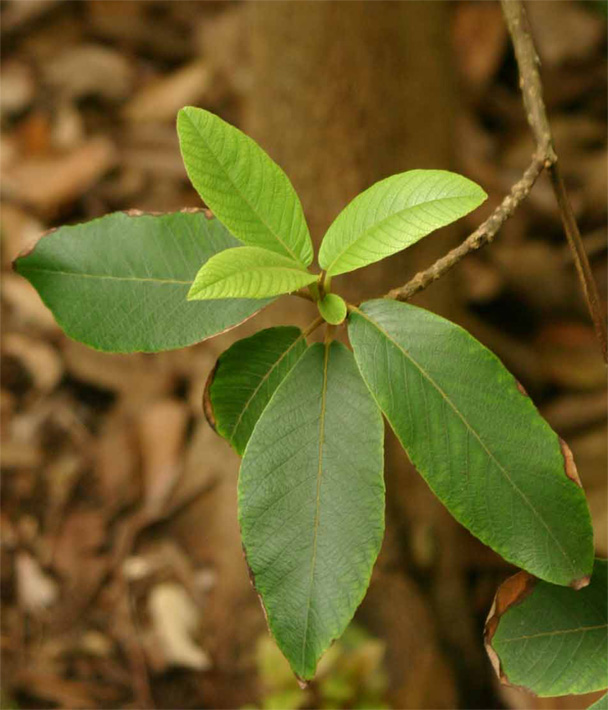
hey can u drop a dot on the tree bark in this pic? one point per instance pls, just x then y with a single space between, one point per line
345 94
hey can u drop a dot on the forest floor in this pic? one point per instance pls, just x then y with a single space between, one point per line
107 575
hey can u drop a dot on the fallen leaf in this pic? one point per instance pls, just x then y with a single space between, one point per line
41 360
162 99
37 590
161 430
51 182
90 70
175 618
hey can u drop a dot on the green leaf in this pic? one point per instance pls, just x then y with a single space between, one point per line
245 189
245 378
333 308
548 639
248 272
394 214
311 502
476 438
119 283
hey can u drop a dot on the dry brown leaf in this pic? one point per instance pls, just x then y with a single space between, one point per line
49 183
137 377
175 620
67 129
18 87
162 99
161 430
571 355
28 309
19 230
90 70
479 37
41 360
37 590
51 686
116 462
565 31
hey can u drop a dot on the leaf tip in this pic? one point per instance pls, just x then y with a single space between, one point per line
301 682
580 583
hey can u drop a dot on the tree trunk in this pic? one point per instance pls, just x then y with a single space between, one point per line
347 93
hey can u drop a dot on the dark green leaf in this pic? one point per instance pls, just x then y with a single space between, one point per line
245 189
248 272
119 283
549 639
393 214
245 378
311 502
477 439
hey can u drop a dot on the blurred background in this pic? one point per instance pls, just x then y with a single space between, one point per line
123 581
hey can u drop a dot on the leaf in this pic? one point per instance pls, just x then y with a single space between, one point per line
311 502
476 438
245 378
548 639
245 189
248 272
393 214
333 308
119 283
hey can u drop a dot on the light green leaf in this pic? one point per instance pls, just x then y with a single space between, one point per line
476 438
245 189
248 272
119 283
394 214
548 639
245 378
333 308
311 502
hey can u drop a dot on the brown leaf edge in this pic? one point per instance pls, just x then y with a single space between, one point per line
511 592
207 404
134 213
570 466
27 250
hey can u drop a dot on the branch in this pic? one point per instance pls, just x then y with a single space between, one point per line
544 157
531 88
483 235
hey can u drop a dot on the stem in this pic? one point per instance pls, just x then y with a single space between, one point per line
544 157
484 234
579 256
312 326
536 112
302 293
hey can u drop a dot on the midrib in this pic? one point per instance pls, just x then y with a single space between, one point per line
317 504
500 467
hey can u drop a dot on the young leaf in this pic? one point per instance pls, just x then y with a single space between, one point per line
245 378
476 438
311 502
548 639
245 189
248 272
119 283
333 308
394 214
